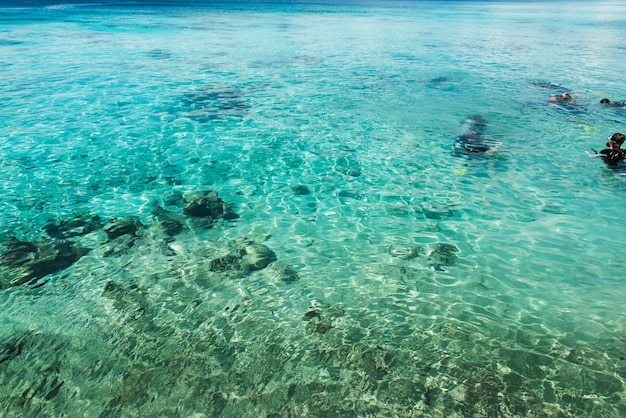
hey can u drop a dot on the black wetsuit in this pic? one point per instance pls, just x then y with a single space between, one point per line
471 143
612 157
620 105
550 86
570 106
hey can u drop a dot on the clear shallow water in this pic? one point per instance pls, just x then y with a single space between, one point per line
407 282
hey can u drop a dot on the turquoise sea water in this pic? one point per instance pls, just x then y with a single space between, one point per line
403 279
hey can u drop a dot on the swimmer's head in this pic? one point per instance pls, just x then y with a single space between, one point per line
565 96
616 140
605 101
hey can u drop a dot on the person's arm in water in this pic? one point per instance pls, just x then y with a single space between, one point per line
611 157
493 149
594 155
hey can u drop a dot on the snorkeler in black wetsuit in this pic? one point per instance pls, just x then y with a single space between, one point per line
614 154
566 102
471 141
549 86
618 105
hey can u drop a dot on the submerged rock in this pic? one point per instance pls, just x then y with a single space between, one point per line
437 212
168 221
258 256
214 102
285 272
203 204
80 225
39 354
206 204
29 261
443 254
118 246
320 320
316 321
350 194
171 226
243 258
348 166
230 262
131 300
127 225
300 190
173 198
